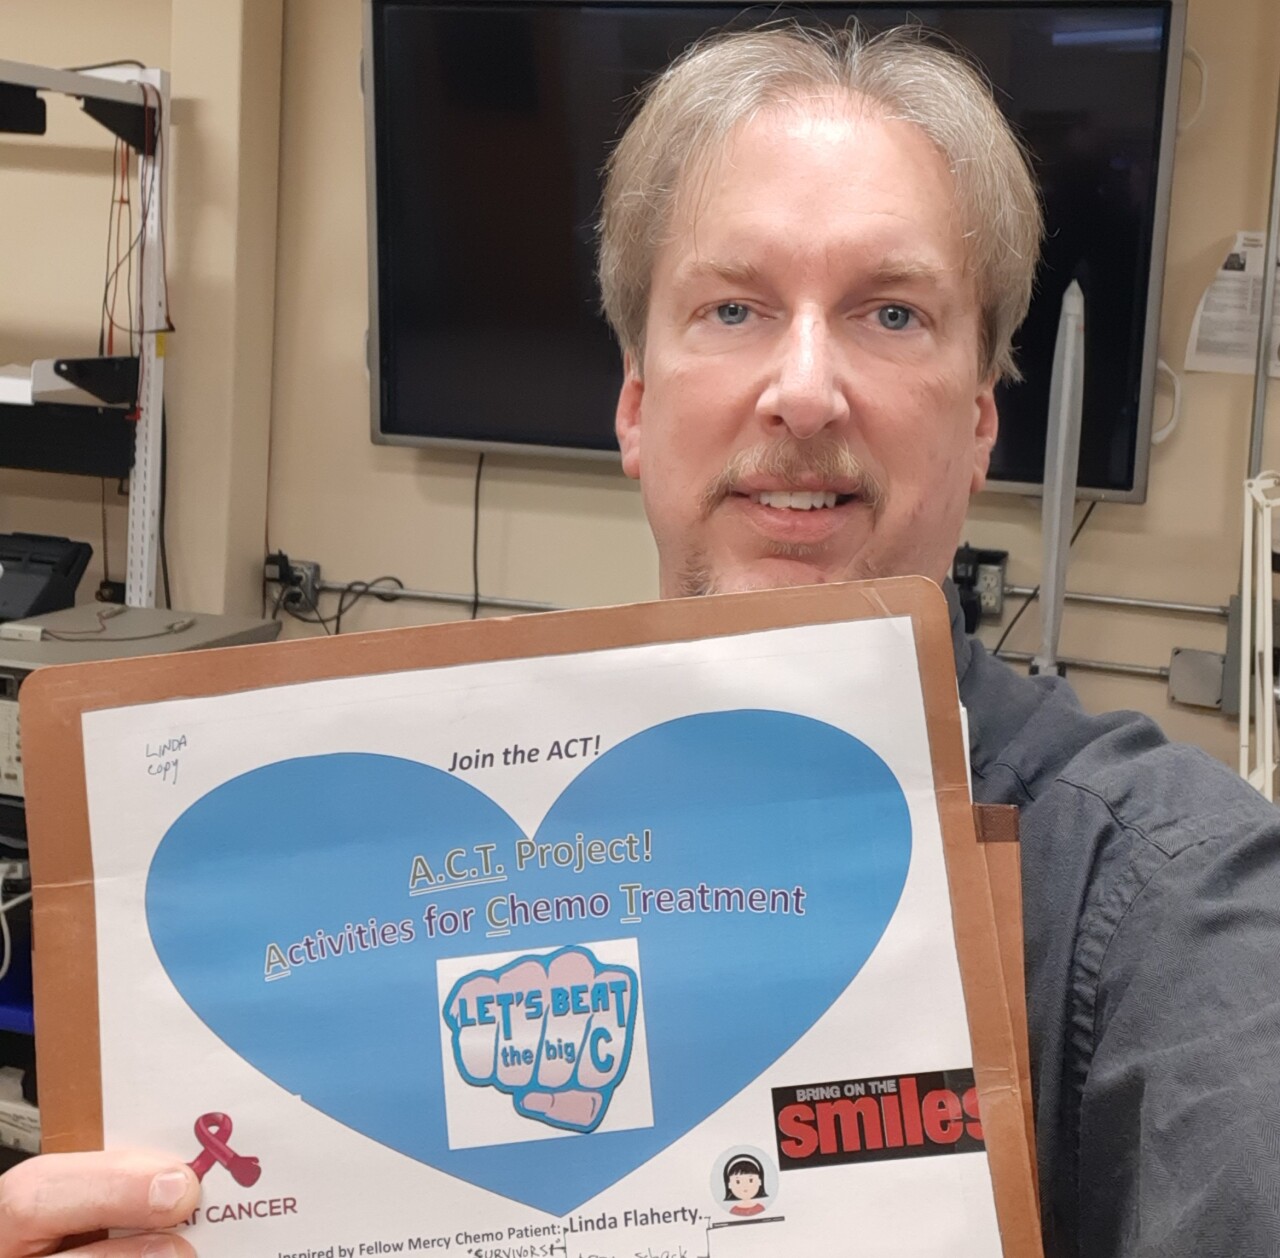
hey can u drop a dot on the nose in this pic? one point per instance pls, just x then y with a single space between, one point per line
805 392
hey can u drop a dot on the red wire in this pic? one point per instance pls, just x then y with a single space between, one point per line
150 200
145 184
125 199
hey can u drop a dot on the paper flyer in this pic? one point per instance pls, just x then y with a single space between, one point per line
1224 332
631 953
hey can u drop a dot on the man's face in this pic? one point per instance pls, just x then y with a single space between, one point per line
809 407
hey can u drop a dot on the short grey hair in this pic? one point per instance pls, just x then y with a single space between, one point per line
689 111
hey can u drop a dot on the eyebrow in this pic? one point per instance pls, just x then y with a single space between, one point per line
890 271
907 270
709 268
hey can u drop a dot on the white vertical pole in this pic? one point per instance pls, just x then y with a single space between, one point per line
1061 473
1247 614
1266 703
1257 637
144 481
1262 365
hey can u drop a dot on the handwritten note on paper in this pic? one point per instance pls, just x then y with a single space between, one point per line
163 759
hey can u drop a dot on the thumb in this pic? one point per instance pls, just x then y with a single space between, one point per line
47 1199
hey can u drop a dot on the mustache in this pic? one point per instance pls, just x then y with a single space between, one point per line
790 462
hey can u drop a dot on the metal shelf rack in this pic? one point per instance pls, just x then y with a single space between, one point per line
132 103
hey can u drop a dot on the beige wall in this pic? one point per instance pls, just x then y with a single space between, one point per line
550 530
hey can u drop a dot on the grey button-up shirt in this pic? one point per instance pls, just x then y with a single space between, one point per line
1151 877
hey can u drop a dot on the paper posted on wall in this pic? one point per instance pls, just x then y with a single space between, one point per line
1224 333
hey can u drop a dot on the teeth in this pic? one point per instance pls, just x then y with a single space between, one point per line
795 500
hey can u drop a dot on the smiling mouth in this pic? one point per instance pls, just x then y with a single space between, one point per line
790 481
799 499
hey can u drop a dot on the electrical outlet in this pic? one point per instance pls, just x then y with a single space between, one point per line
990 587
980 573
306 580
299 577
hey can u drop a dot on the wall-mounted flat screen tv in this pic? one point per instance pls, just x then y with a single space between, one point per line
488 122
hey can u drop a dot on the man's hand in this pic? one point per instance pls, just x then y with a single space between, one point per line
50 1199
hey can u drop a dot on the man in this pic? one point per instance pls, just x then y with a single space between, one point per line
815 252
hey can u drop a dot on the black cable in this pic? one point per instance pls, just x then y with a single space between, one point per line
348 597
344 607
162 196
286 604
362 589
137 240
320 620
475 542
113 284
100 634
164 494
111 220
142 227
129 637
1026 602
105 65
134 242
106 548
1017 616
164 573
283 601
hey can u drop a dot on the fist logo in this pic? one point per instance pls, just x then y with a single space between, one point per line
553 1032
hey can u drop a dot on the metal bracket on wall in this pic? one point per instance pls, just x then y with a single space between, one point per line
22 112
134 124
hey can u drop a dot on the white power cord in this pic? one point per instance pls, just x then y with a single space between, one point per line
5 937
1165 431
1199 62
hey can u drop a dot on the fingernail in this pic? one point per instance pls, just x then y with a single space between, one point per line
167 1189
160 1246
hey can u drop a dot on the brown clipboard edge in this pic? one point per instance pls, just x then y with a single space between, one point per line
997 826
54 699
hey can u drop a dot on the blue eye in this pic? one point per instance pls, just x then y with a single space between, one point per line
732 313
894 318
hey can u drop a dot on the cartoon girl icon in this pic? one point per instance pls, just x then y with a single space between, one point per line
744 1185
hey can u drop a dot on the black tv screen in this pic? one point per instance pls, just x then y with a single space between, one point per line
489 122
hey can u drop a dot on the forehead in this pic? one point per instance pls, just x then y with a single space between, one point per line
821 176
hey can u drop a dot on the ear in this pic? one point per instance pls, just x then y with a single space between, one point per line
986 428
626 421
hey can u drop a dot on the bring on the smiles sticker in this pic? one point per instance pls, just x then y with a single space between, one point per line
537 1045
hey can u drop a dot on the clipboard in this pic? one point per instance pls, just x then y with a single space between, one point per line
982 879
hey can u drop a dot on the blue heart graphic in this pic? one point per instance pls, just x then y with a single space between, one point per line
730 799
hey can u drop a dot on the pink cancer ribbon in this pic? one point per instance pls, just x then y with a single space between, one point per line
213 1131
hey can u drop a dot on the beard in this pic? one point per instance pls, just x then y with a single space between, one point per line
786 462
696 576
